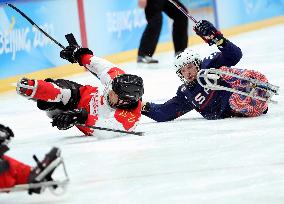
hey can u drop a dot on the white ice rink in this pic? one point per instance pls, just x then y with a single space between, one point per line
189 160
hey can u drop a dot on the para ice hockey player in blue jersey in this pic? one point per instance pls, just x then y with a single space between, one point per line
211 104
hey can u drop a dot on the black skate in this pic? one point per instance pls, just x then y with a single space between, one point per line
44 169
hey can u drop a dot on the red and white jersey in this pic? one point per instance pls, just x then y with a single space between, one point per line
100 113
105 70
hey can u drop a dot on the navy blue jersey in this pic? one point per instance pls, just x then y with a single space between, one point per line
210 104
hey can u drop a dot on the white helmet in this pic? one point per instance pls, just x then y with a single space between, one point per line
186 57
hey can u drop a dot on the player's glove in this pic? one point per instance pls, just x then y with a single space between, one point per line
145 107
68 119
6 135
73 53
209 33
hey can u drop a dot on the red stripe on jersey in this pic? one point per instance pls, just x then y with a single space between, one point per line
46 91
114 72
91 121
87 93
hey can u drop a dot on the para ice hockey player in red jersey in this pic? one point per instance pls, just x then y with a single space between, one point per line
14 173
69 103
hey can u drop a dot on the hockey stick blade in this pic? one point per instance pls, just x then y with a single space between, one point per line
112 130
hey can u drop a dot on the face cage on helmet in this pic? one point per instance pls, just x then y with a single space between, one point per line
127 101
125 104
196 63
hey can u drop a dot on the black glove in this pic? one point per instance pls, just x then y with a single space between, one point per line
6 135
68 53
145 108
73 53
209 33
68 119
4 165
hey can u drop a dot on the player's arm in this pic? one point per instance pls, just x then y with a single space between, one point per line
54 95
49 93
230 54
102 68
170 110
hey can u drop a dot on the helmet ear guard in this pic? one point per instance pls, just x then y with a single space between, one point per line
129 89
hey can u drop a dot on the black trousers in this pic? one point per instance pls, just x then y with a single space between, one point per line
150 37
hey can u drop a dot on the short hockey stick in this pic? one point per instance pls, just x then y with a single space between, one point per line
187 14
68 36
35 25
183 11
112 130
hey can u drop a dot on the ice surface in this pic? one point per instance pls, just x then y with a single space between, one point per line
189 160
